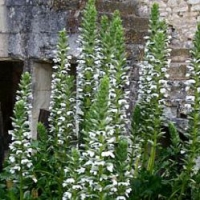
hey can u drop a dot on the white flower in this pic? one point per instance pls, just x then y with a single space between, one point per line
197 165
182 151
69 57
110 167
12 171
91 153
128 191
166 75
187 75
67 195
163 69
187 88
155 95
190 98
60 142
121 198
113 189
107 154
163 90
152 87
34 179
122 101
102 163
17 168
70 180
124 183
111 140
12 159
81 170
19 152
89 162
189 82
24 161
75 187
148 78
62 118
29 164
188 106
83 196
70 113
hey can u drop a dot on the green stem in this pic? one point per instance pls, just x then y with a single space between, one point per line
152 157
21 184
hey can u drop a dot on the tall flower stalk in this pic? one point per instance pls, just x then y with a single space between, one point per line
113 64
62 106
74 175
192 146
99 145
19 163
87 69
152 84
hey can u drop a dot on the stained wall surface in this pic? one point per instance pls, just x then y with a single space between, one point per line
29 32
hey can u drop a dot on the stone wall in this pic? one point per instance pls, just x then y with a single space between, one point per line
29 32
182 17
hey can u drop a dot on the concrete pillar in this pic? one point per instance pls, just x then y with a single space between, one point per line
41 79
3 30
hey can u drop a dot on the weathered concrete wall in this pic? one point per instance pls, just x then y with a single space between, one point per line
33 27
29 32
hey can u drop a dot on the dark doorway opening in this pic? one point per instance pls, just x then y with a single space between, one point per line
10 74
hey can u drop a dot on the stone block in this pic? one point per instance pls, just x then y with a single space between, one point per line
143 11
15 3
177 89
110 7
16 44
193 1
172 3
3 45
179 55
134 52
42 76
2 2
3 19
195 7
133 36
137 23
177 71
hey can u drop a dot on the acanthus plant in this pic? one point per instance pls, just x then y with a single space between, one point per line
62 106
109 125
113 64
19 166
153 88
87 69
189 178
99 146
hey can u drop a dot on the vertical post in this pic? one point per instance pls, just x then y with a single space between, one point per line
3 30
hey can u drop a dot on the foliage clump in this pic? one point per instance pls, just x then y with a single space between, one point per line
88 152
